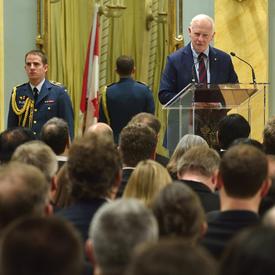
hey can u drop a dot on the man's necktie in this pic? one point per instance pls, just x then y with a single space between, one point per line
35 93
202 69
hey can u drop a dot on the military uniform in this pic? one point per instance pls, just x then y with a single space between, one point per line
52 101
122 100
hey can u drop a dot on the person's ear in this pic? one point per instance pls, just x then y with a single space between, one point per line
219 181
89 251
214 178
265 187
189 31
213 36
204 228
48 209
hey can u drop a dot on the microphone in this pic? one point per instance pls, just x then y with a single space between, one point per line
252 70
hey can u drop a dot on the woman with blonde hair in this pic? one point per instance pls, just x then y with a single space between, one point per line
146 181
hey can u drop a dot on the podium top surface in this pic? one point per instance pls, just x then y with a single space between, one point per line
222 95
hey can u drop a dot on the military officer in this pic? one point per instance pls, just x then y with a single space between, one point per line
35 102
125 98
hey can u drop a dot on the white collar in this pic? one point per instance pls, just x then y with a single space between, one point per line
39 86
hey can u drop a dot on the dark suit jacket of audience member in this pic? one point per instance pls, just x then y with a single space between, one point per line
81 213
126 173
223 226
210 201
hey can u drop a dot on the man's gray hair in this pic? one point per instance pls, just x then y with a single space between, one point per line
117 228
38 154
203 17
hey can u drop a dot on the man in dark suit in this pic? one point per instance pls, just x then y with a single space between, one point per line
243 178
197 168
137 142
178 71
34 103
94 169
182 66
124 99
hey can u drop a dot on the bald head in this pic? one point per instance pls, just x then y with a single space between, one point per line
100 129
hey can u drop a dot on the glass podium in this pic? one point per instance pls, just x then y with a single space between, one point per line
198 108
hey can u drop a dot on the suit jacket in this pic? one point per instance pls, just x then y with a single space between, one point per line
223 226
125 99
126 173
53 101
81 213
178 71
209 200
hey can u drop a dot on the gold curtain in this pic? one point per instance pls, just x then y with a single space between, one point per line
69 28
128 35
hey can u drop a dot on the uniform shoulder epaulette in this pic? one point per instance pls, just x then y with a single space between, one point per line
111 84
56 83
21 85
143 83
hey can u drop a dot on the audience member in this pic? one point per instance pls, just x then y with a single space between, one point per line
147 119
153 122
116 230
269 200
62 197
55 133
251 252
171 257
40 155
231 127
137 142
101 129
198 169
186 142
243 179
37 245
269 137
23 191
269 217
179 213
249 141
11 138
146 181
94 169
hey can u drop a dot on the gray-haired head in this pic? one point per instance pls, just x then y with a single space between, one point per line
38 154
186 142
203 17
117 228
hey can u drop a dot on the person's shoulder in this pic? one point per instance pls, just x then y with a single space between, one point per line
181 51
219 52
21 86
111 85
56 85
142 85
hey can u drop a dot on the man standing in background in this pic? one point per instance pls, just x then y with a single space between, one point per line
125 98
34 103
197 62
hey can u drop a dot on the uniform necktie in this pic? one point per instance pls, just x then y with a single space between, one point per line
35 93
202 69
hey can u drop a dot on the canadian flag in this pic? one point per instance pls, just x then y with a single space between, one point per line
90 86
